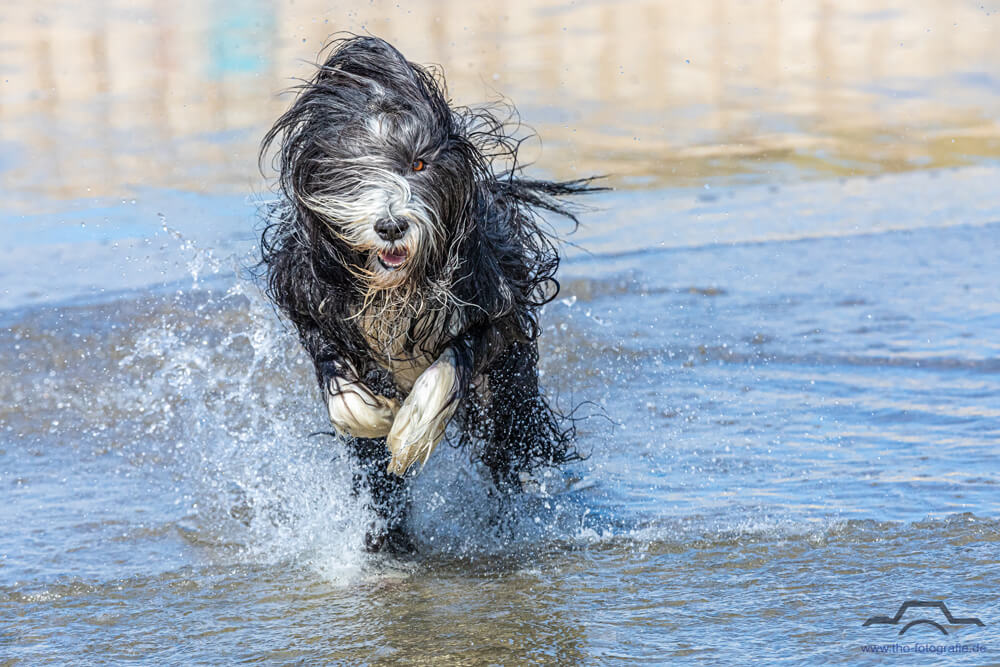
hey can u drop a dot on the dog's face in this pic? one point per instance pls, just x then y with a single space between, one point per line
373 150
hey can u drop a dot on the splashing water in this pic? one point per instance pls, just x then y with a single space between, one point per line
224 397
778 436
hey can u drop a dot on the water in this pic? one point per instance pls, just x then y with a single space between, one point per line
792 352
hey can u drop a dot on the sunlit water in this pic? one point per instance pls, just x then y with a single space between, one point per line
792 388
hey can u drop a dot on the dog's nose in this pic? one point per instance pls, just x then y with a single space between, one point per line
391 229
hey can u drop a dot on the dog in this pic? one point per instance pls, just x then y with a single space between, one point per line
406 249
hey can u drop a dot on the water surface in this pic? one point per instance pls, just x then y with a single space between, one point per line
786 317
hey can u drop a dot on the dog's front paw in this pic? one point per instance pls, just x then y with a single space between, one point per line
420 422
356 411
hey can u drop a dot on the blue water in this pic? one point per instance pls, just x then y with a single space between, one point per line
792 423
782 331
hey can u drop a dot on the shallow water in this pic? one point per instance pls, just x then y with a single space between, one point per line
790 356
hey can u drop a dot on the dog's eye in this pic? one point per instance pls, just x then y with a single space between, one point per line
418 165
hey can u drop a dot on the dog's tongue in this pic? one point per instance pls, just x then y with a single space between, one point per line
393 257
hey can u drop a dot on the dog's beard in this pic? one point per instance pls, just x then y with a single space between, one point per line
402 318
398 320
399 300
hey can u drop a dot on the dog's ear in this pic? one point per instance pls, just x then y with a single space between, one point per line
509 251
507 264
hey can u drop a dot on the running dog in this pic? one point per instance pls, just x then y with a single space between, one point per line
406 250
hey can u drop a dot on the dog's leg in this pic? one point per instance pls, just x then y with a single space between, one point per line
526 433
356 411
421 420
390 496
357 408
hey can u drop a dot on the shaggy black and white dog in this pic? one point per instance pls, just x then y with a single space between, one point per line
406 250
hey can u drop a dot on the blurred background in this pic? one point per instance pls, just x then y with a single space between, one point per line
103 97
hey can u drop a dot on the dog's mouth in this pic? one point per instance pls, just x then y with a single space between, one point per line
392 259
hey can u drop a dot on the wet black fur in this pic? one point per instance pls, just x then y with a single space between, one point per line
498 262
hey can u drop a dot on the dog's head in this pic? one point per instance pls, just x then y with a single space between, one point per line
371 151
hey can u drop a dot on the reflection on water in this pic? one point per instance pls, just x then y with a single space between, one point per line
103 96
